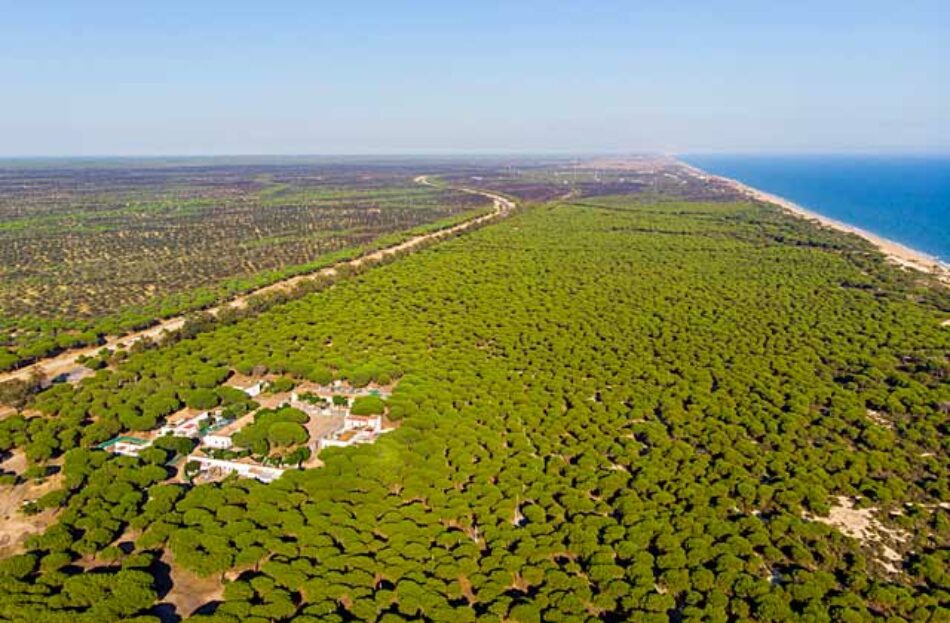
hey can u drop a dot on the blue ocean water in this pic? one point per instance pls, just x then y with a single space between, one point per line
903 198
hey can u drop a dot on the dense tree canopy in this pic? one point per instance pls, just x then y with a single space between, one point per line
368 405
611 410
273 429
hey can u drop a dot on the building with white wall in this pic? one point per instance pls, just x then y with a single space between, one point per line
356 429
348 437
253 390
190 427
130 447
244 470
311 409
218 442
371 423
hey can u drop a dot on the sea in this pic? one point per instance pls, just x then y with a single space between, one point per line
902 198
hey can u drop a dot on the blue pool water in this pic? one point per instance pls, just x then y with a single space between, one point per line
903 198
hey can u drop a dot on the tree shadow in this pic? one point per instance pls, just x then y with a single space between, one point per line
209 608
166 613
127 547
162 573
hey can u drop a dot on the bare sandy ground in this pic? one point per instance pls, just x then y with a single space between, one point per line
189 591
15 526
862 525
65 363
896 252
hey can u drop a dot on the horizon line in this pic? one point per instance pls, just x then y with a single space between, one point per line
477 154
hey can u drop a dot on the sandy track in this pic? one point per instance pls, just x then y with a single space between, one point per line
65 363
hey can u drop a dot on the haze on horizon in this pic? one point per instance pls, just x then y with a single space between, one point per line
183 78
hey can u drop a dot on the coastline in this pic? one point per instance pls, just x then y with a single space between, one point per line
895 252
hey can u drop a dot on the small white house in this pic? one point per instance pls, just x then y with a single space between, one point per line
245 470
347 437
186 428
253 390
310 408
356 429
371 423
130 447
218 442
250 390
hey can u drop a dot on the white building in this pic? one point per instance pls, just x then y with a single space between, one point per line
371 423
311 409
190 427
348 437
356 429
130 447
219 442
251 390
244 470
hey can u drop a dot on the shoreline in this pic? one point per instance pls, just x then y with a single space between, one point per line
895 252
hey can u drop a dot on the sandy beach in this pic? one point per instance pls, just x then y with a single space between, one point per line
895 252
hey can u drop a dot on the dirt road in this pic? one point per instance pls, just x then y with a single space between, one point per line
65 363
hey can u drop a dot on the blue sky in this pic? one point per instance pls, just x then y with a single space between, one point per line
278 77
